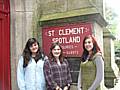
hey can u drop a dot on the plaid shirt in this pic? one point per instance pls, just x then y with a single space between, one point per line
57 75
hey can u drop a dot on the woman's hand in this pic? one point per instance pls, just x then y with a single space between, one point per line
65 88
58 88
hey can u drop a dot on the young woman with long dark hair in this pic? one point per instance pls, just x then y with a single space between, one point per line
30 75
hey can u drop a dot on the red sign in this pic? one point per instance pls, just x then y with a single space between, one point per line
70 37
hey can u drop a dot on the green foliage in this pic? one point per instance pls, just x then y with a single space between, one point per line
112 19
117 44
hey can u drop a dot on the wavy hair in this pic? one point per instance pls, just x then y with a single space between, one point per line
51 57
27 52
95 49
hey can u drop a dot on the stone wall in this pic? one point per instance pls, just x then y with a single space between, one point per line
27 15
111 68
23 24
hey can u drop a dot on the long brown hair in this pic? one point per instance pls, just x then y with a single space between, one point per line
95 49
27 52
51 57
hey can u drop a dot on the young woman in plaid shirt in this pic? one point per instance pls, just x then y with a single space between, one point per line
56 70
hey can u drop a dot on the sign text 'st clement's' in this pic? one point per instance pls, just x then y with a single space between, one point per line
70 37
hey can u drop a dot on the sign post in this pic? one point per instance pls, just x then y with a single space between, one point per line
70 36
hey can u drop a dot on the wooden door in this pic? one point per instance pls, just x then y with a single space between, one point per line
4 45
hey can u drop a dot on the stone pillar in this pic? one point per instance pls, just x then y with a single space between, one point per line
22 15
111 69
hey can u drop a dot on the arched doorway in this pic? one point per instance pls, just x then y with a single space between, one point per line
5 45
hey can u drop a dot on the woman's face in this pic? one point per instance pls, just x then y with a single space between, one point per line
88 44
56 51
34 48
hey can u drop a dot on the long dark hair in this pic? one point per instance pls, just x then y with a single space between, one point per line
27 53
95 49
51 57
